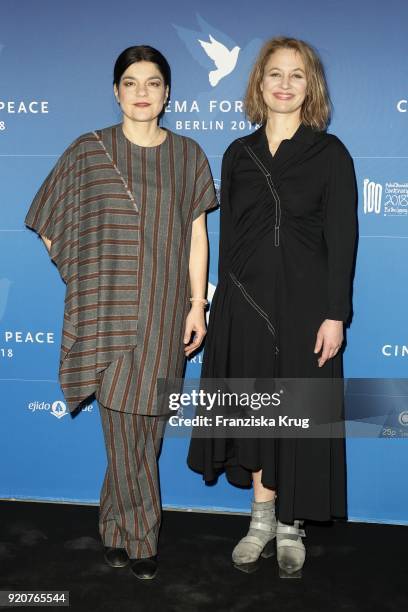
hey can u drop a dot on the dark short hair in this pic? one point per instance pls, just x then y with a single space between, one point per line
142 53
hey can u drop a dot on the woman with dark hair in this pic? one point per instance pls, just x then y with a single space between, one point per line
287 246
121 214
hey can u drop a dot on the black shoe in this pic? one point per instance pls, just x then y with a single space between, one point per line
116 557
144 569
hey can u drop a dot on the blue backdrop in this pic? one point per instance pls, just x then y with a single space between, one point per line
56 61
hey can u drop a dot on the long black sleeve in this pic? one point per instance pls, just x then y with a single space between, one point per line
340 229
225 214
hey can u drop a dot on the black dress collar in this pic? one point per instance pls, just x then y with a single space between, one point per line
304 134
290 149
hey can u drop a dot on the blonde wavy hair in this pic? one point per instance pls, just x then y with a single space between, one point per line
316 108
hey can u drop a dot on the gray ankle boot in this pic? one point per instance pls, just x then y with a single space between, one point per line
290 549
259 541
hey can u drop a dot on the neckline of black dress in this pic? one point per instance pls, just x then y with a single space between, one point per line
303 134
288 150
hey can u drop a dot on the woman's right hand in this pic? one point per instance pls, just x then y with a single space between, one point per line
329 340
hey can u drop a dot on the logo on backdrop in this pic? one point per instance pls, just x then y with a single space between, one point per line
372 197
20 107
395 350
11 337
402 106
10 340
403 418
224 59
58 408
224 66
390 200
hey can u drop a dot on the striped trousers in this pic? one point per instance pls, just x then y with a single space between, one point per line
130 504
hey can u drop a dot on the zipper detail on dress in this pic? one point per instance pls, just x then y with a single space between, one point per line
126 186
271 186
252 302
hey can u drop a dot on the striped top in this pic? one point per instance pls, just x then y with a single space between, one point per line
119 217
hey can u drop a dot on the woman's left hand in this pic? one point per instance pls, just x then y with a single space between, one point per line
195 323
329 340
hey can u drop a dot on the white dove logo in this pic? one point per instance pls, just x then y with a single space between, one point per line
224 59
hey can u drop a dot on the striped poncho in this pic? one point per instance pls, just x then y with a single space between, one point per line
119 217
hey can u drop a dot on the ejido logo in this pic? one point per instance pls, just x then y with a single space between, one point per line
59 409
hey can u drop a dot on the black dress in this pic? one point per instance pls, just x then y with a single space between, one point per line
287 247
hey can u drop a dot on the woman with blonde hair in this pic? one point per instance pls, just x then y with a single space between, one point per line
287 248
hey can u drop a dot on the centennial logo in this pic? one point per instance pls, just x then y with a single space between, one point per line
372 197
390 199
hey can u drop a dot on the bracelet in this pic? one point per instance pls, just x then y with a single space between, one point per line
198 299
